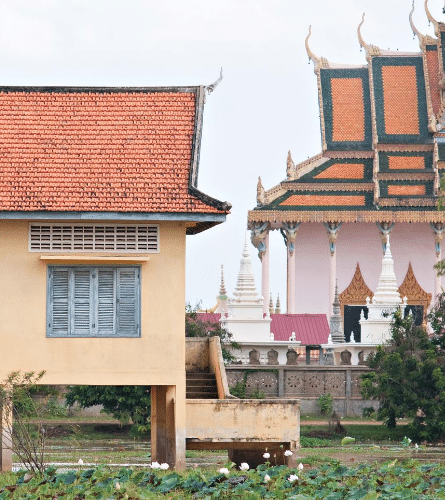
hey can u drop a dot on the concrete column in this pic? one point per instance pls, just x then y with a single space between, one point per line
167 437
6 431
439 232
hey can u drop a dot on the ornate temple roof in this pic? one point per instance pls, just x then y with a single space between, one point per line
383 140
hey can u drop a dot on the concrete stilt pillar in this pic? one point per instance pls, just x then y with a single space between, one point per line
167 426
6 432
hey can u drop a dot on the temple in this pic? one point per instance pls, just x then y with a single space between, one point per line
378 174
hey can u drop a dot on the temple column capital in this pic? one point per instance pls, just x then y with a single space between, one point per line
385 229
333 229
289 233
258 237
439 232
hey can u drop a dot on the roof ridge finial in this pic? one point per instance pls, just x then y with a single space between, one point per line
210 88
431 19
318 61
290 166
371 50
415 30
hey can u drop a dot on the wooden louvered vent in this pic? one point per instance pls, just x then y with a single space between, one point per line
94 238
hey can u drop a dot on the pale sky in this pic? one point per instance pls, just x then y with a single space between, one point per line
265 105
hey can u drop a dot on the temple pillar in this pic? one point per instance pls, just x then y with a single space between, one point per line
332 229
260 240
289 232
385 229
439 232
167 426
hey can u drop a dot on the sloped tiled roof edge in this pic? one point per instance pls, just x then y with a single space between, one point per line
190 211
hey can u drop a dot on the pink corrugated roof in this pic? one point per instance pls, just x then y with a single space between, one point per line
310 329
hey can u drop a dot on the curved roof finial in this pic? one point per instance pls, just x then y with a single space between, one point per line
371 50
318 61
415 30
431 19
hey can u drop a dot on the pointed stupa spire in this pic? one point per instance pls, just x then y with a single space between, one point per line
222 288
387 290
271 309
245 285
336 323
278 305
431 19
371 50
318 61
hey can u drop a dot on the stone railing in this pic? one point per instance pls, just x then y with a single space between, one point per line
306 383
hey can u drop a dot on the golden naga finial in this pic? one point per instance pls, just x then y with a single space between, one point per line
371 50
415 30
431 19
318 61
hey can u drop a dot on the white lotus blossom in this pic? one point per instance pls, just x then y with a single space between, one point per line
164 466
416 446
266 478
292 478
288 453
118 486
244 466
80 462
266 455
300 466
155 465
223 470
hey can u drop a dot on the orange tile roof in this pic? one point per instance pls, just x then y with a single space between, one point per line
406 162
432 62
324 200
121 150
406 190
343 171
348 110
400 100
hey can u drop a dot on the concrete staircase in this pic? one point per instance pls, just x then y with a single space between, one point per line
201 385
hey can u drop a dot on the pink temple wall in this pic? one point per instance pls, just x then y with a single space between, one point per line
358 242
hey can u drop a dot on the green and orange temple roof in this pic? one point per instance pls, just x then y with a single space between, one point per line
383 140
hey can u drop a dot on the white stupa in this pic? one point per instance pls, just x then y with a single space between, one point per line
245 317
386 300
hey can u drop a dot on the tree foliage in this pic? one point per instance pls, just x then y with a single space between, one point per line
125 402
408 377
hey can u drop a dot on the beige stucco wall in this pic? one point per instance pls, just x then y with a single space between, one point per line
156 358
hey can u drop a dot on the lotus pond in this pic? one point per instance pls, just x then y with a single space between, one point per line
390 480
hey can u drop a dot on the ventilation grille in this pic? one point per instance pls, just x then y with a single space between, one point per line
93 238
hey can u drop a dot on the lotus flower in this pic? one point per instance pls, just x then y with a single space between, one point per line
223 470
266 455
292 478
288 453
244 466
300 466
164 466
266 478
155 465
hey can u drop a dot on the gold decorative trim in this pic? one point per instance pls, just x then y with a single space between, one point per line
349 154
406 176
416 294
396 148
371 50
329 186
277 216
356 292
407 202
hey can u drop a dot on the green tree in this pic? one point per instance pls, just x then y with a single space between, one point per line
408 377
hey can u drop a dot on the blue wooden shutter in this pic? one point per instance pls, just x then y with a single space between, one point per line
81 285
106 301
58 301
128 301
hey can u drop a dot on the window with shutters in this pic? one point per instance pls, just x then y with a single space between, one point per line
99 301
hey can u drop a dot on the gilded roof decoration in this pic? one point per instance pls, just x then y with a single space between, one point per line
356 292
371 50
319 62
411 289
